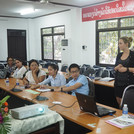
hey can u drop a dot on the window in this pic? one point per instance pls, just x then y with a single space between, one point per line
108 33
51 42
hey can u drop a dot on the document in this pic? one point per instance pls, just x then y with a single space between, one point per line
122 122
43 90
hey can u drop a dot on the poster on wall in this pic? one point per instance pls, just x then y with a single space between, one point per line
119 8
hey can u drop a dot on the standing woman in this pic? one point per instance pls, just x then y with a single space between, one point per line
20 71
10 66
124 67
35 75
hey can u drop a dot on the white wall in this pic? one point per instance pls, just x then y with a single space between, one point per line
79 33
9 23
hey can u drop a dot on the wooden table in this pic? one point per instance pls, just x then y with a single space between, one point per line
74 113
104 83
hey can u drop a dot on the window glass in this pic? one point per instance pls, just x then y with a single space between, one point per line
59 30
57 47
108 47
47 43
47 31
108 33
127 22
107 24
51 42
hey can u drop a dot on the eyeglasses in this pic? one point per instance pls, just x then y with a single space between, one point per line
72 72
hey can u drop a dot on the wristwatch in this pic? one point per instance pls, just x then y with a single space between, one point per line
127 69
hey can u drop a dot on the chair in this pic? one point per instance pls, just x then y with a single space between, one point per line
112 71
128 98
91 87
98 72
86 66
105 73
89 71
2 66
64 68
3 71
82 70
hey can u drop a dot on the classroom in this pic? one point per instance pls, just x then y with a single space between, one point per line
72 53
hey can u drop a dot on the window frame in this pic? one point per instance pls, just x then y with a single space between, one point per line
51 34
118 29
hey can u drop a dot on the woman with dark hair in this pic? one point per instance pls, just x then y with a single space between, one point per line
124 67
35 75
54 79
19 72
10 66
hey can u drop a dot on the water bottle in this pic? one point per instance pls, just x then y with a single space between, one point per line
7 81
17 82
125 111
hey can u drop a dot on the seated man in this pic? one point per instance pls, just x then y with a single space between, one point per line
79 83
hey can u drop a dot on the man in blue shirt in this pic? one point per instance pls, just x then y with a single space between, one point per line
79 83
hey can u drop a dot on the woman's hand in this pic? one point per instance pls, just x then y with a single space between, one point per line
122 69
118 67
35 71
34 86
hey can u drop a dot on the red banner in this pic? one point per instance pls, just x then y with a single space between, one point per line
114 9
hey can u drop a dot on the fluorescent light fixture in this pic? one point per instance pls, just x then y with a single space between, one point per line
27 11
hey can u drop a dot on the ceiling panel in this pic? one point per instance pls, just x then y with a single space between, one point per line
13 7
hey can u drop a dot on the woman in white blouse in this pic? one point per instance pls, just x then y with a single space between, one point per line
20 71
35 75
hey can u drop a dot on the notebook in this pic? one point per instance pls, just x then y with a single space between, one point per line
88 104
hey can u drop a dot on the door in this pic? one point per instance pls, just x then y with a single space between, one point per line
17 44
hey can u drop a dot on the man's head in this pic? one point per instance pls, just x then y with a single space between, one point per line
74 69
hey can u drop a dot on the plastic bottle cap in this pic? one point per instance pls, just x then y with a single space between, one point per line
125 105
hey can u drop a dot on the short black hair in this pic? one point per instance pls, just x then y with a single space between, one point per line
33 60
54 66
74 65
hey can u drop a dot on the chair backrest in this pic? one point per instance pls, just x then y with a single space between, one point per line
2 66
86 66
128 98
91 87
105 73
3 71
64 68
98 72
89 71
82 70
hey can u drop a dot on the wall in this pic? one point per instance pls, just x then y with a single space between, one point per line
10 23
77 32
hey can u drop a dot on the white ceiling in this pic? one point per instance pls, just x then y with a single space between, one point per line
12 8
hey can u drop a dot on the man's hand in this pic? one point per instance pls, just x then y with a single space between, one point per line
43 86
58 89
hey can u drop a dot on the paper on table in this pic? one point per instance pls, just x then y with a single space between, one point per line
31 91
43 90
121 122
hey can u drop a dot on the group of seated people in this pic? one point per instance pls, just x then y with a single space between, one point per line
36 77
